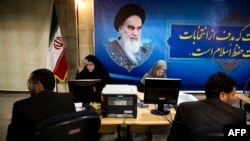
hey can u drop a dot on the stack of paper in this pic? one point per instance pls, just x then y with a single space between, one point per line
185 98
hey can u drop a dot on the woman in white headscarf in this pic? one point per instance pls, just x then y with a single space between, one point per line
157 71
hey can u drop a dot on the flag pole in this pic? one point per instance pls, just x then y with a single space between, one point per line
56 85
56 58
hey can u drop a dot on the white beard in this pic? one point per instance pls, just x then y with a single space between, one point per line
132 47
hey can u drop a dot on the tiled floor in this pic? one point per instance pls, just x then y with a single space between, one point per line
8 99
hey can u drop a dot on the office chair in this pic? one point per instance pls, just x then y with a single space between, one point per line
209 137
247 110
247 85
247 89
77 126
208 134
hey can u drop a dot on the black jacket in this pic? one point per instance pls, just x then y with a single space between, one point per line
30 111
205 113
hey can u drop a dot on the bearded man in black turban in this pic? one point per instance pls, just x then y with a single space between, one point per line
128 50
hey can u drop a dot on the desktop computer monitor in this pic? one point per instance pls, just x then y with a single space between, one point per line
85 90
161 91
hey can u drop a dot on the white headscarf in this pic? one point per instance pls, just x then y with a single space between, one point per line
160 64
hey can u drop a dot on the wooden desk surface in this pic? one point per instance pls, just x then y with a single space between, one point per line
112 121
144 117
243 97
141 124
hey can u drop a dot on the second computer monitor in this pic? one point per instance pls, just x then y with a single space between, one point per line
85 90
161 91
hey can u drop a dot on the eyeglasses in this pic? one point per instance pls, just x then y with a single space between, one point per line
29 82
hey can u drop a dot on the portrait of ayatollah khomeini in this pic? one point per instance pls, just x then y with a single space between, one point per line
129 50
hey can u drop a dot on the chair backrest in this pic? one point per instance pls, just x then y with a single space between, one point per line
247 85
245 89
208 134
75 126
209 137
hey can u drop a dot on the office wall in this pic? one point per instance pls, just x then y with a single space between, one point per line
24 37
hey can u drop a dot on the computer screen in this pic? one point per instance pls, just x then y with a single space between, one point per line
161 91
85 90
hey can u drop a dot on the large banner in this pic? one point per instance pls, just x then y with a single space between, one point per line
196 38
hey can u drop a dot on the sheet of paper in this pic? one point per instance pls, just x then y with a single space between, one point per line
185 97
119 89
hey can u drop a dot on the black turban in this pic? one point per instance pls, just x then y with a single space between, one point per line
127 11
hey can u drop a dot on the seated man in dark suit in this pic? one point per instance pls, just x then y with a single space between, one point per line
42 104
215 111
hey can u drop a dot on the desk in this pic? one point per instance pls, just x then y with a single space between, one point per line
144 117
110 123
243 98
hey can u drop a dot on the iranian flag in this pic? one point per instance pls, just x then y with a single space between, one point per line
56 59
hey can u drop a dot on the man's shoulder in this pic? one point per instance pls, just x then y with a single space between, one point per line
115 51
52 93
22 101
115 43
116 47
45 95
65 95
191 103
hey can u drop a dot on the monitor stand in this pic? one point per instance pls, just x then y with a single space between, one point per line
88 106
160 110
